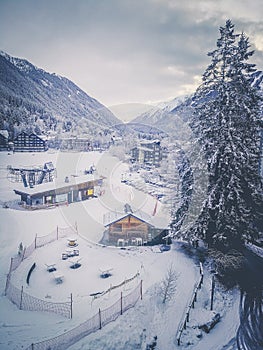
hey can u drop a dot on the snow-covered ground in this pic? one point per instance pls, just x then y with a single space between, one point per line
138 326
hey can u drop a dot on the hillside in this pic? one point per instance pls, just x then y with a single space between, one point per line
34 100
168 117
172 117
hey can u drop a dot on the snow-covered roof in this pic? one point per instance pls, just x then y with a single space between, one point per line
156 221
150 141
49 186
49 166
112 217
4 133
144 148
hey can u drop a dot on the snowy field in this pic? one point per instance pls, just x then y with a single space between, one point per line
138 326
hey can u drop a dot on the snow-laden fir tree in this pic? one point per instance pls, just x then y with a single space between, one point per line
226 122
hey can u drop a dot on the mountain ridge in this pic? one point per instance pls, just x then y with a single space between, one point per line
34 99
172 116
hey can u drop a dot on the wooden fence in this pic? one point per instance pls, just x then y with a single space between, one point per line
25 301
193 299
95 323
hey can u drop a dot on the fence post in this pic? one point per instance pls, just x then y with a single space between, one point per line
187 316
201 268
32 346
8 276
71 305
100 319
36 241
76 227
201 281
57 233
178 341
141 289
7 283
23 255
212 292
202 274
21 298
11 265
121 303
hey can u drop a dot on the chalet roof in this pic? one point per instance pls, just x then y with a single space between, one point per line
4 133
3 139
74 138
149 142
31 135
155 221
73 183
112 217
145 145
144 148
20 134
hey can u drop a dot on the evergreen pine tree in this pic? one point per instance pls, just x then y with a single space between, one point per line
226 122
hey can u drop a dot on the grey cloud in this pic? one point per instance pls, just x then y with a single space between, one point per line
122 50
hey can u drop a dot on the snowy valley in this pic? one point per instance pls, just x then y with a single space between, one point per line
150 321
116 236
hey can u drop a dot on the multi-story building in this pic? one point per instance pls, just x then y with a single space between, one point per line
29 143
149 152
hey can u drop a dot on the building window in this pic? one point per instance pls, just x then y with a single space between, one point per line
90 192
48 199
118 227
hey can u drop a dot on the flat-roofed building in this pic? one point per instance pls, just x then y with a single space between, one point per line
74 189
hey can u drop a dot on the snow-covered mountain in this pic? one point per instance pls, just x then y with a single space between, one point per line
30 96
172 117
158 112
168 117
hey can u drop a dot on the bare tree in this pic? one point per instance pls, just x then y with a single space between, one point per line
168 284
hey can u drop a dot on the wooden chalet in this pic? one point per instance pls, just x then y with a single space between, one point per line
54 193
133 228
29 143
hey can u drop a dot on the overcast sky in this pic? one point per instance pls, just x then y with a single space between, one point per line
126 51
